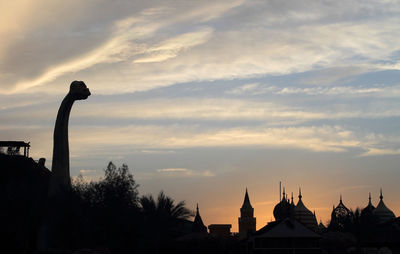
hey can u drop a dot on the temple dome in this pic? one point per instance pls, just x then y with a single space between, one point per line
367 214
341 211
341 217
305 216
382 213
283 209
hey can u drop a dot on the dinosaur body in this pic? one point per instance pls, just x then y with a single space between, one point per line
54 230
60 165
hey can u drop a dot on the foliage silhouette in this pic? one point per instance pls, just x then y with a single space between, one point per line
164 207
117 190
109 213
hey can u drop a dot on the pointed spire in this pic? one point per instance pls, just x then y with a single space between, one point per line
197 211
300 196
369 199
381 196
198 222
246 202
341 198
283 195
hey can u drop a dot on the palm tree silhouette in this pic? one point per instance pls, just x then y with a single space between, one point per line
164 207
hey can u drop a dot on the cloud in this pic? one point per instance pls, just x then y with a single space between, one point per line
378 152
98 141
237 109
87 171
319 139
129 37
236 54
113 50
244 89
157 151
211 109
172 47
212 41
184 172
338 90
173 170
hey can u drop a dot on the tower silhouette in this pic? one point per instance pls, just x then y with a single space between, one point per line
247 221
198 225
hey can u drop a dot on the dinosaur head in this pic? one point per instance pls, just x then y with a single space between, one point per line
79 90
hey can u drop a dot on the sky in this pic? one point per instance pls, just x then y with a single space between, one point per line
202 99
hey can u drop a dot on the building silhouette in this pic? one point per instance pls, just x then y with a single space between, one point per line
303 215
220 230
295 230
381 212
247 221
198 225
341 217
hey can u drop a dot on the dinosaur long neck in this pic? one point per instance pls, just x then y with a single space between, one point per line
60 163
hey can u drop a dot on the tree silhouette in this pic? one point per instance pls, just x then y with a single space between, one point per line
117 189
162 218
107 211
164 207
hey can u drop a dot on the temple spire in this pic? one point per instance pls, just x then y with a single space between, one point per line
300 196
198 225
283 194
247 222
369 199
246 201
341 198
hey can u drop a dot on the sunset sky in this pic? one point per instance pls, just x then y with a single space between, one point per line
204 98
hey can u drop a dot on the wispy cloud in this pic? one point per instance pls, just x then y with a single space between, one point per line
87 171
184 172
244 89
157 151
233 109
114 50
173 46
319 139
378 152
134 36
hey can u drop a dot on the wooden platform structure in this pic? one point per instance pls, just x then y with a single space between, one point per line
14 147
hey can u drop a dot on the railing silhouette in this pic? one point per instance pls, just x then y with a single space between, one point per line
14 147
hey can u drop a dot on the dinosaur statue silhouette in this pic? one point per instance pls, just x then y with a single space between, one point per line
53 230
60 180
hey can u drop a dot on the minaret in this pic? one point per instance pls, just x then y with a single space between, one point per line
198 225
247 222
